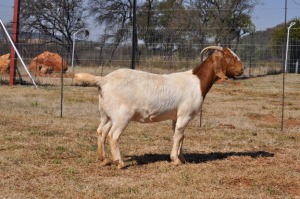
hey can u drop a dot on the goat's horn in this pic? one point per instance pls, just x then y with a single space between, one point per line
211 48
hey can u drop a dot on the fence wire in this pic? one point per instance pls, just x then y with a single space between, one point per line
258 59
101 58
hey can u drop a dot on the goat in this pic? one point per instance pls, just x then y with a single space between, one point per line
128 95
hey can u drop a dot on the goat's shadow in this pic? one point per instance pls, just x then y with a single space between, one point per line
197 158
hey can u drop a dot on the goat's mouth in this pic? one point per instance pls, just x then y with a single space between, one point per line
235 74
238 73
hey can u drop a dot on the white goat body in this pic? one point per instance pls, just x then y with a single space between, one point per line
146 97
128 95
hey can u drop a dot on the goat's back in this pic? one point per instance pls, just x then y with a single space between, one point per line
149 94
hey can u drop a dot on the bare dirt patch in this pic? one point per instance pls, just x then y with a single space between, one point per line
265 118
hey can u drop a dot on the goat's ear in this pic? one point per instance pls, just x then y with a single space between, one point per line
219 67
220 71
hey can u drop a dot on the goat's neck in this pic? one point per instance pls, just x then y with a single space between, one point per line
205 72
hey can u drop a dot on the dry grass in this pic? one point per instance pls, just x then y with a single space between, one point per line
239 152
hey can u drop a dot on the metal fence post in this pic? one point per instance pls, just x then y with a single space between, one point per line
134 35
285 70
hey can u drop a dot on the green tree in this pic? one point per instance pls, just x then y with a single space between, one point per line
168 25
227 20
279 37
174 21
146 24
279 34
158 24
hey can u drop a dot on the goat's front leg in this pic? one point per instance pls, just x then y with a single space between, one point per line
102 132
176 153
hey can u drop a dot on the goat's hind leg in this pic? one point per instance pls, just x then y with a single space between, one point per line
113 136
102 132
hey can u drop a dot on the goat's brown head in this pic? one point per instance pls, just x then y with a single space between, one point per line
226 62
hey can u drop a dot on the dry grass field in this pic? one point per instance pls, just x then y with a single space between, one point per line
239 152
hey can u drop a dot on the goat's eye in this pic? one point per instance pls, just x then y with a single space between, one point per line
227 56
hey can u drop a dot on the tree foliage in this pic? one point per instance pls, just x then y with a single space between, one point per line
116 18
172 21
227 20
279 34
161 23
59 19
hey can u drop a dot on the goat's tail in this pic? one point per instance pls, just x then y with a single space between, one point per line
87 79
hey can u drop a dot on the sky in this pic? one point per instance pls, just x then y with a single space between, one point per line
267 13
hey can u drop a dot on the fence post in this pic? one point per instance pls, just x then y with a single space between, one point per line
297 67
15 34
17 52
285 70
134 35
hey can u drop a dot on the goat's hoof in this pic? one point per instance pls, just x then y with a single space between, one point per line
177 162
182 159
104 162
120 164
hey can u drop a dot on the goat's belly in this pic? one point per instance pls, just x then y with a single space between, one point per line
145 117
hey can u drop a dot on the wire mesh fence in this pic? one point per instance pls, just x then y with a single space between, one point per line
101 58
170 50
